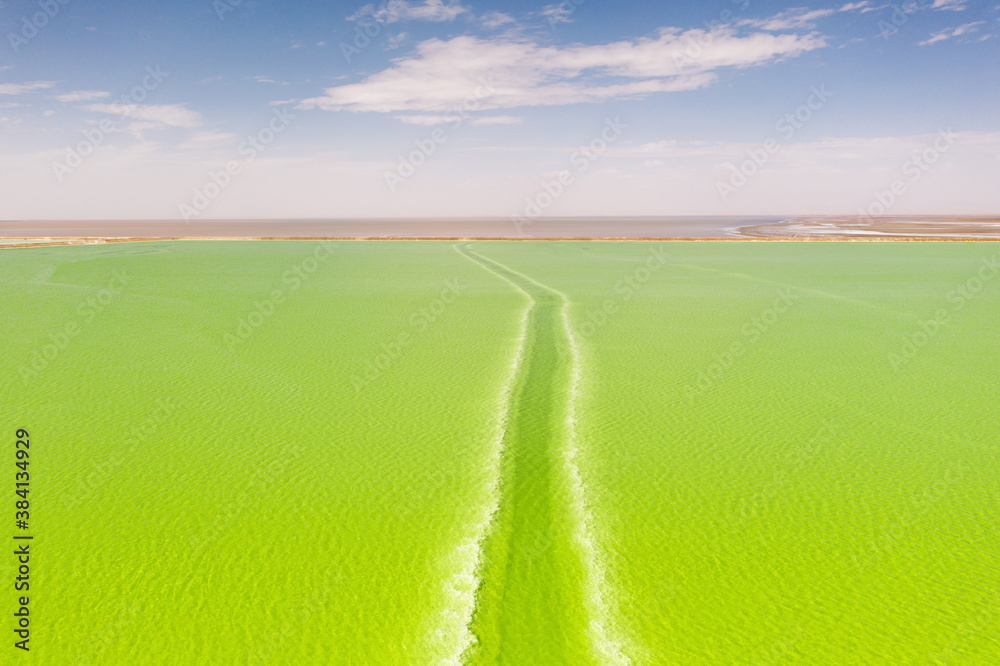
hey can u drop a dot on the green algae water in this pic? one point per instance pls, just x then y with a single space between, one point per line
506 453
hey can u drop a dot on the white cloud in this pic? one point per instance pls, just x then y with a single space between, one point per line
802 17
173 115
260 78
557 13
440 119
22 88
495 19
442 74
952 5
82 95
790 20
394 41
952 32
403 10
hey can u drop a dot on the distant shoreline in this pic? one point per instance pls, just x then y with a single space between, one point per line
14 233
29 242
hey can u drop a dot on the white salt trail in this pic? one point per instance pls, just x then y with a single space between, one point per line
453 636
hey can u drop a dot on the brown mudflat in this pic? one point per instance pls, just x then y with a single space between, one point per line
867 228
912 228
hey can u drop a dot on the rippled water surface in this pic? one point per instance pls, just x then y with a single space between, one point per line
552 452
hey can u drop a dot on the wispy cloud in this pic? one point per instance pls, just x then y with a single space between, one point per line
494 19
394 41
403 10
557 13
440 119
790 20
172 115
81 95
803 18
952 5
952 32
24 88
443 73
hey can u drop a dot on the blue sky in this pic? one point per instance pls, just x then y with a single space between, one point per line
201 109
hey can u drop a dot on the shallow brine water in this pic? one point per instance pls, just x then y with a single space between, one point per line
434 452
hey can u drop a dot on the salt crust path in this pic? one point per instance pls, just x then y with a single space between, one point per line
548 308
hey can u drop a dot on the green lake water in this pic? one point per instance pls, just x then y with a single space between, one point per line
506 452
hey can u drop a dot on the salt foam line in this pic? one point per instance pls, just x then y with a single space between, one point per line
454 633
609 647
